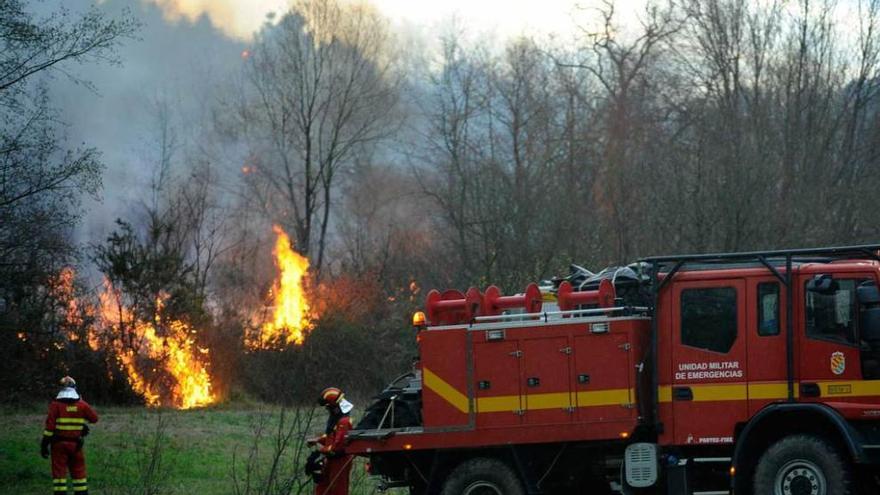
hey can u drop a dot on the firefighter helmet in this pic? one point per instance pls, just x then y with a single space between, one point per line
330 397
68 389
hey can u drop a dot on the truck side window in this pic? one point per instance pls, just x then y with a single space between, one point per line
768 309
833 316
708 318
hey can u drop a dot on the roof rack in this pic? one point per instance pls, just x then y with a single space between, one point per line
868 251
738 264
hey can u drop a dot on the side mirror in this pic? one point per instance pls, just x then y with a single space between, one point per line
870 323
822 284
868 294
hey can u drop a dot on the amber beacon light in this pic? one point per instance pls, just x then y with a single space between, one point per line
418 319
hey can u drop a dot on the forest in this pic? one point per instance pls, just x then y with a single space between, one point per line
342 171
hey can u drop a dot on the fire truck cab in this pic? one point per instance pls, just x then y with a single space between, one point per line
748 373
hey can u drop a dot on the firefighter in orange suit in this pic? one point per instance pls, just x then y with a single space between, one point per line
66 426
337 465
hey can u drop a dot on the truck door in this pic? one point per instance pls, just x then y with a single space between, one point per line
545 380
767 363
830 343
709 389
602 371
497 390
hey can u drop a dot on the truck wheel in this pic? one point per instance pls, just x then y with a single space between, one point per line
802 465
482 476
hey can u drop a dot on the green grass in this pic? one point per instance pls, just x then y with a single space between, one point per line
197 450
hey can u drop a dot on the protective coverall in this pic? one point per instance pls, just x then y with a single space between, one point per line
337 466
65 426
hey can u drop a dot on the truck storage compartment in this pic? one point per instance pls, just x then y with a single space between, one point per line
529 373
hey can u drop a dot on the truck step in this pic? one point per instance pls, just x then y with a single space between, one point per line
712 460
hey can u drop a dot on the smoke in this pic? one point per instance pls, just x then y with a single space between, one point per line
240 19
235 18
184 55
178 64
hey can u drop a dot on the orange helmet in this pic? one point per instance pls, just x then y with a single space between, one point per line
68 382
330 397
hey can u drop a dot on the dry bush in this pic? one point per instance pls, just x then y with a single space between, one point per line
146 471
274 458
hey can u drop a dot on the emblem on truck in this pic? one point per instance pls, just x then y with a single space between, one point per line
838 363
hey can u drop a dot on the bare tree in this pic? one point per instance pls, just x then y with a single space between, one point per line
320 87
451 138
42 176
858 143
492 153
33 163
625 67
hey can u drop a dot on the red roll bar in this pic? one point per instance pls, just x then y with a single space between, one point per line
452 306
494 303
568 299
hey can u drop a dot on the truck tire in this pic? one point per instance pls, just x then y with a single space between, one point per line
482 476
803 465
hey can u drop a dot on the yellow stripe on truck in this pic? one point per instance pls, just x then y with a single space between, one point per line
769 391
445 390
555 400
507 403
547 401
714 393
612 397
858 388
501 403
772 390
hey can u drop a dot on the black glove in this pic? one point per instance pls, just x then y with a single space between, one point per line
315 466
44 447
81 440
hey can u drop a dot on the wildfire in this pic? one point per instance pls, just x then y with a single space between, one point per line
61 287
158 354
181 379
291 320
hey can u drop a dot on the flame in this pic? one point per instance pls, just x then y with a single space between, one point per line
159 356
62 289
135 344
291 320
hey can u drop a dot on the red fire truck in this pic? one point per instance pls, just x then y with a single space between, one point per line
748 373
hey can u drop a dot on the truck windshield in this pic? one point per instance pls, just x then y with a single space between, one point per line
833 316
